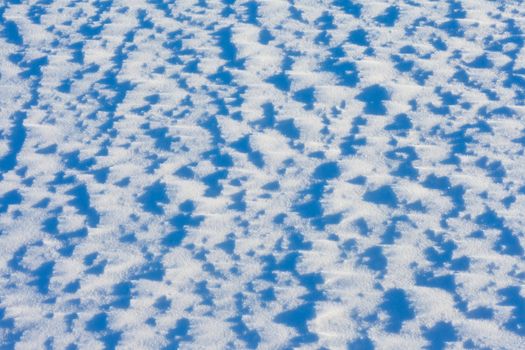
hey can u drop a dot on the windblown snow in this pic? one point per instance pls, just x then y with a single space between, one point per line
278 174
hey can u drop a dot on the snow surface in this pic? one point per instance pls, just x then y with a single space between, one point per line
205 174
